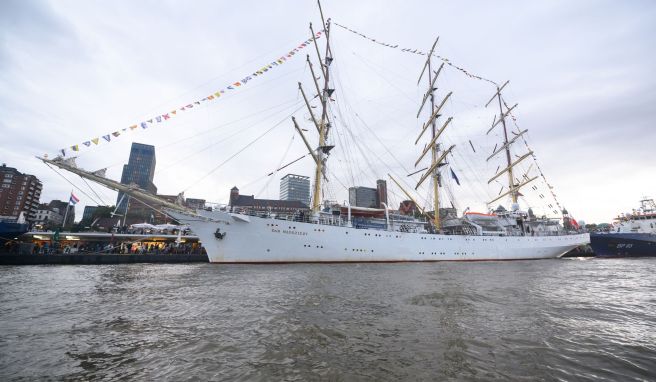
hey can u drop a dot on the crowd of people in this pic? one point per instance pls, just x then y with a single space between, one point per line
127 248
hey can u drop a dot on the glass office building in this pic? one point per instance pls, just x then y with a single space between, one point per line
295 187
139 170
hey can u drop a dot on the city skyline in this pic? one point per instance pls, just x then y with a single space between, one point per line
587 106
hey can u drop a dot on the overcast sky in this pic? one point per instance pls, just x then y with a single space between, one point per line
582 73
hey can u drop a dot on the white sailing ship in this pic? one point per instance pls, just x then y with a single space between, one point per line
341 233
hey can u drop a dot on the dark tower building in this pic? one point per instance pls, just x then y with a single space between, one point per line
234 196
381 192
140 170
88 213
363 197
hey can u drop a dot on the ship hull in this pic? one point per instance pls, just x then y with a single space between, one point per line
249 239
623 244
11 231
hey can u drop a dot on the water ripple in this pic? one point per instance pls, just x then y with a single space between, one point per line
541 320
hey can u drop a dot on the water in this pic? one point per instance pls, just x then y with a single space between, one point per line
524 320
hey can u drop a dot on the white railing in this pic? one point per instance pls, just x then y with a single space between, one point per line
306 216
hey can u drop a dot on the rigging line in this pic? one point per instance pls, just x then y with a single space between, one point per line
337 179
226 73
234 96
250 115
384 146
370 66
271 173
346 120
151 207
381 142
362 151
348 146
212 129
243 148
464 162
284 155
513 118
343 143
254 182
379 160
71 183
212 144
94 191
288 164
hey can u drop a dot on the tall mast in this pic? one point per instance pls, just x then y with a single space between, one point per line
434 151
323 124
511 181
513 187
434 146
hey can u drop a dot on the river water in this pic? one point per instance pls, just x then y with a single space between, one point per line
524 320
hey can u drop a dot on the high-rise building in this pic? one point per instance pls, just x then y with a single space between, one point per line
295 187
88 213
363 197
18 193
140 170
381 193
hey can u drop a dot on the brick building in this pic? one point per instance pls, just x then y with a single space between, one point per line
18 193
272 205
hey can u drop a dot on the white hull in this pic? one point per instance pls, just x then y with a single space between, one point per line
250 239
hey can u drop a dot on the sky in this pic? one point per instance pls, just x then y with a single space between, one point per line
581 73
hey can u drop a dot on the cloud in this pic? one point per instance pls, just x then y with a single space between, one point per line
581 73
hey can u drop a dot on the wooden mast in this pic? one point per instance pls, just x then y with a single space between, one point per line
511 181
322 124
434 152
513 187
433 146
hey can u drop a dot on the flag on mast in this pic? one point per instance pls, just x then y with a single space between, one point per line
453 175
73 199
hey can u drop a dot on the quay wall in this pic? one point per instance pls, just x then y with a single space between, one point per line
99 258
